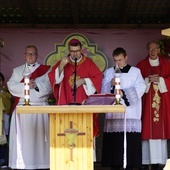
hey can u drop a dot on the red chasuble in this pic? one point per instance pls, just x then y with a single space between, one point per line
156 105
40 71
63 92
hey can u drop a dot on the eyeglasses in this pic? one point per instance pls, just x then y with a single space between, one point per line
75 51
30 54
153 49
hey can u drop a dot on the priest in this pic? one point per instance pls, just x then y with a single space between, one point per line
29 133
75 77
155 108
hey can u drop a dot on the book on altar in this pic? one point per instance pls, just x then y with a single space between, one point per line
100 99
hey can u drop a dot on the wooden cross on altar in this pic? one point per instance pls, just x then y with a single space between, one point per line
72 131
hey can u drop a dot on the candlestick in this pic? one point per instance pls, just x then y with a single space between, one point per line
26 91
26 75
118 90
118 74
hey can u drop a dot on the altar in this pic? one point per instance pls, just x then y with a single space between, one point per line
71 133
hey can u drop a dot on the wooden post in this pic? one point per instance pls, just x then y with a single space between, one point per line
166 32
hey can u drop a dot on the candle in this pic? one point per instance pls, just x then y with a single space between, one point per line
117 89
26 90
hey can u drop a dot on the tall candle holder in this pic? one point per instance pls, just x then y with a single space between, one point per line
26 75
118 74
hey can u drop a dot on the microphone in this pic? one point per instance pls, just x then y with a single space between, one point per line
74 85
75 75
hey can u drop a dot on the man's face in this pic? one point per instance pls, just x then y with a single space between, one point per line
153 51
120 59
75 52
31 55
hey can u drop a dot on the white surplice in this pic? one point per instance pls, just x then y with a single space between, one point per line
133 84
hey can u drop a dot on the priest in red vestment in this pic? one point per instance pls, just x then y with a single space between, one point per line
75 77
156 106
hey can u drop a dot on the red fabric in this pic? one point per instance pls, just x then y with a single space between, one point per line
40 71
156 129
63 92
74 41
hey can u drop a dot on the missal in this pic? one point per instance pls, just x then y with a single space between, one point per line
100 99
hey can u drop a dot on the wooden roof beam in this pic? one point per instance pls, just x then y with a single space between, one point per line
27 10
125 10
74 11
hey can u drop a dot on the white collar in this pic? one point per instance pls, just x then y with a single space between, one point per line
32 65
77 60
154 62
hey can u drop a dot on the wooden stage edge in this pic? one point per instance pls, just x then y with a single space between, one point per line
71 109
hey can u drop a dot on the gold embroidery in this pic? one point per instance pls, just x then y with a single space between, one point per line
71 80
156 103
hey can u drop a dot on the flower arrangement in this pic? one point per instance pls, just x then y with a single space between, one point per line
51 101
164 44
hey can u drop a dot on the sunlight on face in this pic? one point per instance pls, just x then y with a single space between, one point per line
31 55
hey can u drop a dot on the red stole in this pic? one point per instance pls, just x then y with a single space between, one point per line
154 107
40 71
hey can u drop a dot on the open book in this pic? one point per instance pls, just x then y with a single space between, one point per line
100 99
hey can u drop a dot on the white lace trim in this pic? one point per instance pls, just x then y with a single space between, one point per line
131 95
117 125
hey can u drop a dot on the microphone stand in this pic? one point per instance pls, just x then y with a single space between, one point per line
74 87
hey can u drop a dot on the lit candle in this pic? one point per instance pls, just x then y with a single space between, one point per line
117 84
26 74
117 88
26 90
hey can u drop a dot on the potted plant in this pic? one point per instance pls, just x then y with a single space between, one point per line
164 44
